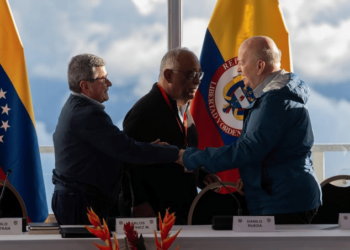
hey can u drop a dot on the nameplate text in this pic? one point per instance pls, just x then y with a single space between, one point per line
253 223
10 226
141 225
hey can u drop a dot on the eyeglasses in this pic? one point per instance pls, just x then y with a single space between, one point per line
192 74
104 79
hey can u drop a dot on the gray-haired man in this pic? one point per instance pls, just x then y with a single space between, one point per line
89 148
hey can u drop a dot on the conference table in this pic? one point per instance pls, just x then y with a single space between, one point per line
203 237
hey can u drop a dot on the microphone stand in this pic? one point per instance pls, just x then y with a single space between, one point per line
3 190
132 215
239 212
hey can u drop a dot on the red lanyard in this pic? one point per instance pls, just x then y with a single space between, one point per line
171 107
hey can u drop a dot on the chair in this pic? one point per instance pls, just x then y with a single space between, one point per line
12 204
203 191
336 199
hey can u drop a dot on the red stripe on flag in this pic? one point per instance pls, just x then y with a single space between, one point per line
208 134
2 174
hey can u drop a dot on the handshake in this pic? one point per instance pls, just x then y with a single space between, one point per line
210 178
181 151
179 158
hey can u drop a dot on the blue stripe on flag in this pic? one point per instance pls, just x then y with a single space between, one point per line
19 152
211 59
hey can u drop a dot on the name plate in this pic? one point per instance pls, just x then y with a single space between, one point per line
253 223
141 225
10 226
344 221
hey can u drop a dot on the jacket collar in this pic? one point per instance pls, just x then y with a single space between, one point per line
89 99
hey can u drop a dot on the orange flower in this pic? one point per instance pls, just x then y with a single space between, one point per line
101 232
164 228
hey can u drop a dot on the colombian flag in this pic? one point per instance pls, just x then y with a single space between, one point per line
19 149
218 106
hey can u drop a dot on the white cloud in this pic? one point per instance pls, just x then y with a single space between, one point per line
194 30
320 38
147 7
330 119
139 52
91 4
44 137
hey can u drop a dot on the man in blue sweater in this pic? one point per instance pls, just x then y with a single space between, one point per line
273 152
90 149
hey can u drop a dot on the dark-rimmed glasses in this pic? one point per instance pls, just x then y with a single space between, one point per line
105 79
192 74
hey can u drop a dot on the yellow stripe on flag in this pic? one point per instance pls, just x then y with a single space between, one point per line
233 21
12 57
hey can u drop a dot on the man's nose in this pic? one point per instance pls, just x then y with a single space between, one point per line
196 80
109 83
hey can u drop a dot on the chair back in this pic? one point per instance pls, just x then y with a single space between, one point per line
335 200
12 204
202 192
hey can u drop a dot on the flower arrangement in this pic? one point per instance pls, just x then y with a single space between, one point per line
133 242
164 228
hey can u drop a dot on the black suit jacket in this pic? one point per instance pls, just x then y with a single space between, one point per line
90 149
162 185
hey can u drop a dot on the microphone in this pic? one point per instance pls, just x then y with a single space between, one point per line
132 215
3 190
239 212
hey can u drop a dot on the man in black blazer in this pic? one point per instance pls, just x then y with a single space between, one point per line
90 149
158 114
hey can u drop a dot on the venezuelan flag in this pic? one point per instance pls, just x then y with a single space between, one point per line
218 106
19 149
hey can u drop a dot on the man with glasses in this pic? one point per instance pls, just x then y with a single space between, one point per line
90 149
159 114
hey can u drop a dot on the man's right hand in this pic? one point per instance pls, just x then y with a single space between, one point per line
144 210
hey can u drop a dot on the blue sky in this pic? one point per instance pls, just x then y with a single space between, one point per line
131 36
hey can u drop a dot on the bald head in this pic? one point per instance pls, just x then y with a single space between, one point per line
258 57
263 48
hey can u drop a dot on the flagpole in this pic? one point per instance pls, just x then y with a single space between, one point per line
174 24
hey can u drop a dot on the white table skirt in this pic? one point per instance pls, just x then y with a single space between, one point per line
203 237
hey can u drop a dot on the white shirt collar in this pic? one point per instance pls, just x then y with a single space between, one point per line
88 98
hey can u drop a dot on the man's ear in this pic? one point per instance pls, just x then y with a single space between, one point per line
84 87
167 74
261 66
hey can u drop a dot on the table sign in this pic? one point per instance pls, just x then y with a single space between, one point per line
141 225
253 223
344 221
10 226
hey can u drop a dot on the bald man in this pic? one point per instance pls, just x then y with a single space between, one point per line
273 151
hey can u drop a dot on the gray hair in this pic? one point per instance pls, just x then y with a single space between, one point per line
170 59
83 67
